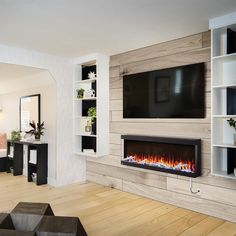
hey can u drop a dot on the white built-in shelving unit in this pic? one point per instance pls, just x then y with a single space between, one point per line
223 83
98 141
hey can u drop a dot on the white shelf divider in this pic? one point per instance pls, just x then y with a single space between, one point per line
85 81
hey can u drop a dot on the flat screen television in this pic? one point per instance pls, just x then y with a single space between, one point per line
177 92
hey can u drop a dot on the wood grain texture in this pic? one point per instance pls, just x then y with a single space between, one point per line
187 130
226 228
104 180
178 59
190 202
162 49
206 39
154 180
108 211
214 193
114 71
116 82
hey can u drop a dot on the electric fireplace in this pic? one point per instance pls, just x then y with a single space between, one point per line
173 155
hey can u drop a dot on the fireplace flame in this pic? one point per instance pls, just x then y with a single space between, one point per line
162 161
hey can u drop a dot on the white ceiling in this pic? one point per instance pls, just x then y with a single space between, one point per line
73 28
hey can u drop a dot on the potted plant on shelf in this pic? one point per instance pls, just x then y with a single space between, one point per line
232 123
80 93
92 113
37 130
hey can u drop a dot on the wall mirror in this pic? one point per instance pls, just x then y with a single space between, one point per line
29 111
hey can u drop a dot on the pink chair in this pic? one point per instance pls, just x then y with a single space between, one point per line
3 152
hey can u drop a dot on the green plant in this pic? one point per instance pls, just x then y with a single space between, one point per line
37 129
80 93
232 123
15 136
92 113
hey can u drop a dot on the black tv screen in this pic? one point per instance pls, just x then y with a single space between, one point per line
168 93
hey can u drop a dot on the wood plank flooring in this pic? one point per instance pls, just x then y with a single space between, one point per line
108 212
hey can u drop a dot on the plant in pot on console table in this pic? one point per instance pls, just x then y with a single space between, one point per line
37 130
92 114
232 123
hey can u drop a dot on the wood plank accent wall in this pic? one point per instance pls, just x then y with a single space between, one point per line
217 196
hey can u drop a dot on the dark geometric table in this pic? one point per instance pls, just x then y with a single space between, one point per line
12 232
28 219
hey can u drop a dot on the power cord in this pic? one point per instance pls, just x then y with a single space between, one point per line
191 187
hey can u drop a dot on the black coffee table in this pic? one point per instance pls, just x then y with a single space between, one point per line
28 219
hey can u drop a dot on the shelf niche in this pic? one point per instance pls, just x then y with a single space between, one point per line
231 41
231 101
86 69
231 160
97 140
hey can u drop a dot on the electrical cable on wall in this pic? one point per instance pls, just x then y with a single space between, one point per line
191 187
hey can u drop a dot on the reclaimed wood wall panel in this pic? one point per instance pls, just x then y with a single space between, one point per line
161 186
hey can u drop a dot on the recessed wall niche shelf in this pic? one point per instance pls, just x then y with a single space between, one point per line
87 141
223 101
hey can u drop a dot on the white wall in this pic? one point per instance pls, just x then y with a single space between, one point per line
69 168
9 118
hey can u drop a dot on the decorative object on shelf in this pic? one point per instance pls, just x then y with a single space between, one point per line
80 93
37 130
92 113
26 137
92 75
88 151
89 93
235 171
88 126
232 123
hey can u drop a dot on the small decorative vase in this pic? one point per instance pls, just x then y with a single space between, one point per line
234 139
88 127
37 137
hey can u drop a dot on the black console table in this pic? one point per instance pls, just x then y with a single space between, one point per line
15 161
39 165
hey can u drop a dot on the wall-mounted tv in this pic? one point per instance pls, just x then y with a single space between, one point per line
177 92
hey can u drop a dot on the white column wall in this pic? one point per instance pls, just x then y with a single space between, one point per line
69 168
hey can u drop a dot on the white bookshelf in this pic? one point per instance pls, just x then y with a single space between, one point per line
82 139
223 78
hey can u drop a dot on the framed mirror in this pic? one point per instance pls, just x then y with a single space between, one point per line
29 111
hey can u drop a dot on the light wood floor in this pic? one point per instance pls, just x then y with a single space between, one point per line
105 211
